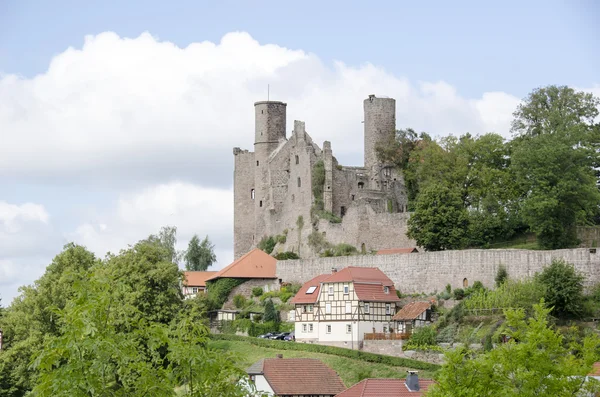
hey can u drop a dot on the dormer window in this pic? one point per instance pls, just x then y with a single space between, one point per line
386 290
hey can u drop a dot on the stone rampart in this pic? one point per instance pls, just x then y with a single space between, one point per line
431 271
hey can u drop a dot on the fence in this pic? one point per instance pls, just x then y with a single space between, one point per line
387 336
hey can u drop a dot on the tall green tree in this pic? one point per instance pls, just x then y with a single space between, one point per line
554 156
199 255
563 286
440 220
535 362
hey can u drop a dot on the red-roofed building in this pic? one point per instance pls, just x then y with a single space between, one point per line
339 308
413 315
287 377
195 282
412 386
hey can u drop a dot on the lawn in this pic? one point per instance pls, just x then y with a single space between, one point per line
351 371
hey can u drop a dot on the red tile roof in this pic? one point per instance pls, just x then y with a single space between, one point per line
595 370
303 297
385 388
300 376
412 310
254 264
368 285
397 251
197 279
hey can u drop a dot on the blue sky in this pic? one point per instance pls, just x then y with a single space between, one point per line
105 142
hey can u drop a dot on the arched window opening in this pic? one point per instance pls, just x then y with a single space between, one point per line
297 159
363 248
361 185
299 182
260 203
465 283
252 194
257 163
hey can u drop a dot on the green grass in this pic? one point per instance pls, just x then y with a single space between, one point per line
351 371
522 241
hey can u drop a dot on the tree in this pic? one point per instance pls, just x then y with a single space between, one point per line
440 221
563 288
199 255
554 156
271 313
535 362
501 276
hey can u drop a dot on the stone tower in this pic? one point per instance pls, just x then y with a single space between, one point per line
380 125
270 123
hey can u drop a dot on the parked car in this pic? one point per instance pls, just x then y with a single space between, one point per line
280 336
268 335
291 337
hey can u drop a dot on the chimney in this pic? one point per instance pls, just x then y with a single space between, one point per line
279 356
412 381
333 270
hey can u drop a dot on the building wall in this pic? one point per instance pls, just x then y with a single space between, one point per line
262 385
245 289
431 271
243 203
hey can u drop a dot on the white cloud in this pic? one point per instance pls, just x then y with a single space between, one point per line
129 107
193 209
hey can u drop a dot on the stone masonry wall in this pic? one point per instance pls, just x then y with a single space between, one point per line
431 271
245 289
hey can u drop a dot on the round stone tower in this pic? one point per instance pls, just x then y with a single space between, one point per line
380 126
270 123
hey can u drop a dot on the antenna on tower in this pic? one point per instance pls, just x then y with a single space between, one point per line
268 92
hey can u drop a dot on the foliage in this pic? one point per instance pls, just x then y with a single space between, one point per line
219 290
440 220
327 215
563 288
501 276
318 182
447 334
257 291
487 343
341 249
317 241
510 294
239 301
423 336
338 351
167 239
267 244
459 293
534 362
271 315
282 256
199 255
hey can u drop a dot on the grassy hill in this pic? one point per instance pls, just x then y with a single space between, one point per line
350 370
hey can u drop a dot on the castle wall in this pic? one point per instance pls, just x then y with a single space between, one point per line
431 271
243 204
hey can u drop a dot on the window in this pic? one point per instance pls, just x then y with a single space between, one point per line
331 290
387 172
260 203
348 328
309 308
342 211
385 329
352 197
299 182
465 283
361 185
346 289
348 307
329 329
310 328
194 290
386 290
257 163
303 327
367 308
388 308
310 290
328 308
252 194
297 159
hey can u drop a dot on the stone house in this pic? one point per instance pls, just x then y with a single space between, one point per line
194 283
411 316
294 377
338 309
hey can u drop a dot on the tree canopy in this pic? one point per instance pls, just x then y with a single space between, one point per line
199 255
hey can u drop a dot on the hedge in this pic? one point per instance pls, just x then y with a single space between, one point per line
336 351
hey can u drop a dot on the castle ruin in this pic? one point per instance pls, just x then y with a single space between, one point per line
274 191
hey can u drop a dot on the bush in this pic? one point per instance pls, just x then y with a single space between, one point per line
337 351
282 256
423 336
447 334
445 295
271 315
487 343
478 286
267 244
563 288
317 241
257 291
340 250
459 293
219 290
448 288
239 301
510 294
501 276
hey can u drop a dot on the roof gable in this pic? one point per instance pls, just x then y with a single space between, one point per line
254 264
302 296
385 388
412 310
197 279
301 376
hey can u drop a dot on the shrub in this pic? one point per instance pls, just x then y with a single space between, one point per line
501 276
317 241
478 285
445 295
337 351
340 250
286 255
271 315
510 294
257 291
447 334
487 343
448 288
219 290
459 293
267 244
423 336
563 288
239 301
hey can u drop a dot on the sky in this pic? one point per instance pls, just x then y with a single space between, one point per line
117 118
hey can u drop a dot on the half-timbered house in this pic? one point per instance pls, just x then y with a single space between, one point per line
341 307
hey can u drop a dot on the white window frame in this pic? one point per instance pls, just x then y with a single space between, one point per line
348 328
303 327
194 290
327 308
388 308
346 289
310 308
310 327
386 290
331 290
367 308
348 307
328 329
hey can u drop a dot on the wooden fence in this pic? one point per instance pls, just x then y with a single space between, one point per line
386 336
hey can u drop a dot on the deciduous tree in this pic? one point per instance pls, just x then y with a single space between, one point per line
199 255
